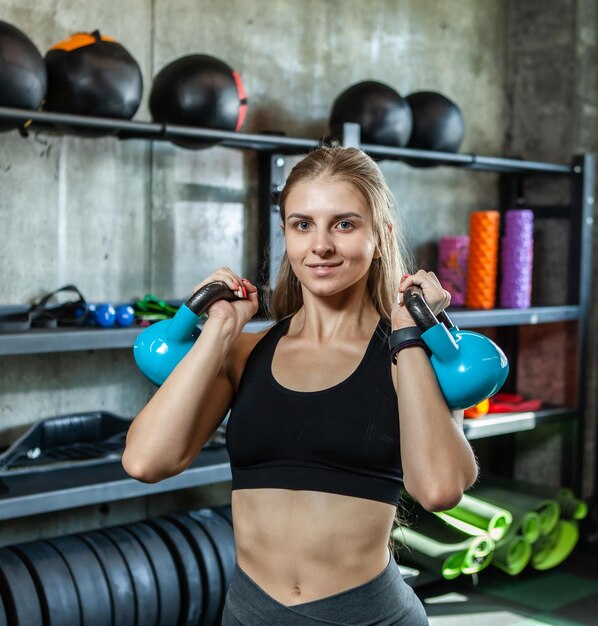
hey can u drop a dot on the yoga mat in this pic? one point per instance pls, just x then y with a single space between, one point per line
553 548
439 547
483 259
547 509
478 517
572 508
512 554
526 522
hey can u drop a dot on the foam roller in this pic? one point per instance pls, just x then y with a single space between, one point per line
517 260
453 253
483 259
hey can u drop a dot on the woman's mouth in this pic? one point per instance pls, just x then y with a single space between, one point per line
323 269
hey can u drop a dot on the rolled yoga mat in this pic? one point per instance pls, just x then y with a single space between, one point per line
547 509
516 257
572 508
437 546
512 553
553 548
526 522
452 266
483 259
474 516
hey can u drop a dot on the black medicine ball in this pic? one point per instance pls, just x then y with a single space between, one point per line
384 116
198 90
438 123
90 74
22 73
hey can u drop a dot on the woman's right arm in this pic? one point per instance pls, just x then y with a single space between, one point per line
171 429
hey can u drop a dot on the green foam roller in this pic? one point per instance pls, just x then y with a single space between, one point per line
553 548
478 517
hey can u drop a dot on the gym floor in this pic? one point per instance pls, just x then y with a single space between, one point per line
564 596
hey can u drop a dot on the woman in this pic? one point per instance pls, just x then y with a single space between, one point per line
318 452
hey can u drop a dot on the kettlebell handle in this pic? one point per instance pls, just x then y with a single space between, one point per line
205 296
422 314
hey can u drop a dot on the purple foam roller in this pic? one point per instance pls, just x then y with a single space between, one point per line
519 222
517 260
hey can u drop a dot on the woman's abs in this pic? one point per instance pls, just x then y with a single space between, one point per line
300 546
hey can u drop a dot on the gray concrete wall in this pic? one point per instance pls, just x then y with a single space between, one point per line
553 104
122 218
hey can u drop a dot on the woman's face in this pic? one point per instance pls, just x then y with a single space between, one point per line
329 236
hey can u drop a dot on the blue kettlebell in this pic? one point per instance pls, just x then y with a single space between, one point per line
469 366
159 348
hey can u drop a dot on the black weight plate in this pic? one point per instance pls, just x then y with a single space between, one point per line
144 582
167 578
189 574
3 616
54 583
208 563
90 582
19 592
226 511
221 533
120 583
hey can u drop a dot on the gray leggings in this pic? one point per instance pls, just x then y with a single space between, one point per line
387 600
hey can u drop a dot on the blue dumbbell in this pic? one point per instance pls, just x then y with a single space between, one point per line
105 315
125 315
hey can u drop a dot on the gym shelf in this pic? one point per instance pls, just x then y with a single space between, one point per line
55 490
127 129
466 318
95 483
495 424
38 341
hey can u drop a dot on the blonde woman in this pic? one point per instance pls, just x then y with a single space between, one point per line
327 424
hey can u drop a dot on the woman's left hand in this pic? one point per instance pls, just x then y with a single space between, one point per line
436 297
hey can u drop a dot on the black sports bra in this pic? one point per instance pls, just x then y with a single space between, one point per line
344 439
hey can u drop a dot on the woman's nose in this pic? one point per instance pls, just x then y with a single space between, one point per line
322 245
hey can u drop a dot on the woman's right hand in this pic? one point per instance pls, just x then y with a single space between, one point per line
231 316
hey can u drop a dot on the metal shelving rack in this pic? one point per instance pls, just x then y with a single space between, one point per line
272 150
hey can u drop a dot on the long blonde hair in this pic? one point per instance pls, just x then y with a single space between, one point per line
349 165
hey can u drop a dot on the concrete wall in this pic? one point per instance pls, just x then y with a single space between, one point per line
553 103
122 218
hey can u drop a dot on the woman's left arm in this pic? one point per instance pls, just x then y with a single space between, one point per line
438 462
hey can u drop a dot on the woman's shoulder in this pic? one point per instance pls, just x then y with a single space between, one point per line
242 348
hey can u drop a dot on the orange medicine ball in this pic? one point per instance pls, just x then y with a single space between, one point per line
92 74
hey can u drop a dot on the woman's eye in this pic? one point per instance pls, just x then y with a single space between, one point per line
302 225
345 225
